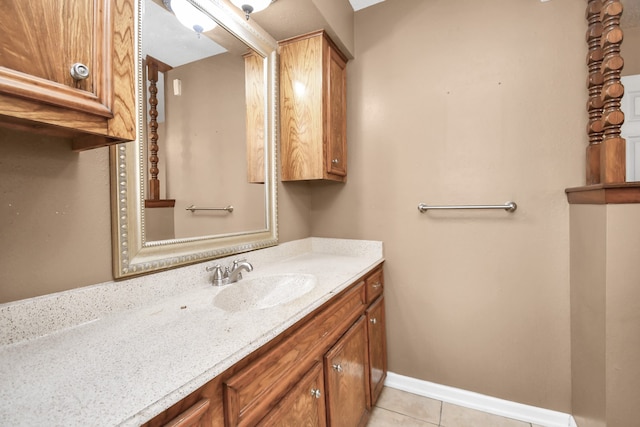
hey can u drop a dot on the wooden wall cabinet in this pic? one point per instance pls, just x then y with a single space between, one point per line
41 42
317 373
313 102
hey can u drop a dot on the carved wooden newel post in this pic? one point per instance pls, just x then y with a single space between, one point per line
613 156
153 68
594 84
606 151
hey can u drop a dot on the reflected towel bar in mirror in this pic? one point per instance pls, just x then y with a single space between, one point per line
193 208
509 207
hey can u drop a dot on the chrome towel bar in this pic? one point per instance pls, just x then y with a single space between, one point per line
509 207
193 208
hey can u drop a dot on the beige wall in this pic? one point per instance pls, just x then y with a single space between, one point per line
588 325
204 149
467 102
339 14
623 315
630 52
55 226
605 314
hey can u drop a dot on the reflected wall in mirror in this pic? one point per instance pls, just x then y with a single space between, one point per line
202 117
206 140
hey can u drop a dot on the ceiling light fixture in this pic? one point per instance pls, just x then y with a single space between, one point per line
189 16
252 6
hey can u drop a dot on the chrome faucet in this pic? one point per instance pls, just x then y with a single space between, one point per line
236 270
229 275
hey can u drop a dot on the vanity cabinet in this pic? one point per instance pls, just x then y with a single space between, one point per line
313 105
67 69
316 373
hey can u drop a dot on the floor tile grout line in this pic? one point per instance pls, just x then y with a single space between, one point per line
439 424
409 416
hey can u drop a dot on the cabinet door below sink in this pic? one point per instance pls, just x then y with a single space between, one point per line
304 405
346 378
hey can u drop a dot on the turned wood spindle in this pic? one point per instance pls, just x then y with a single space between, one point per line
153 68
606 151
612 158
595 55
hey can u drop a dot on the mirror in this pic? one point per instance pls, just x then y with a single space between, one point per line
213 119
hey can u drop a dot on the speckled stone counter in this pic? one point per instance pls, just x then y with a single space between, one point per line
119 353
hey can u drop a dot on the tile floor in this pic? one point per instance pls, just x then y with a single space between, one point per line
399 408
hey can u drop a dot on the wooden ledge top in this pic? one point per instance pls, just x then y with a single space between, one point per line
603 194
162 203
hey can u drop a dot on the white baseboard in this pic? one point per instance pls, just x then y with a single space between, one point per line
481 402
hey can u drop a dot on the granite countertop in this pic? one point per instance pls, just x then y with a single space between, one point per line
122 366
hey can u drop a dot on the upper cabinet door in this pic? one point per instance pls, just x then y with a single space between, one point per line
313 125
336 106
67 67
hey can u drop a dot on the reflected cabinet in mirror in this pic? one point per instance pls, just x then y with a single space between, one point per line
199 180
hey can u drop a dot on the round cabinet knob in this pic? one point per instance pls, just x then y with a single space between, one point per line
335 161
337 367
316 393
373 320
79 71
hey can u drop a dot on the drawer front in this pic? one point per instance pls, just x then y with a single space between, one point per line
374 285
255 390
192 416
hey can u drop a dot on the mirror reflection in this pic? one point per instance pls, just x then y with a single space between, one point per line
206 104
204 130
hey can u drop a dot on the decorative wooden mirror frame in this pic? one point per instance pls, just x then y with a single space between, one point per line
606 153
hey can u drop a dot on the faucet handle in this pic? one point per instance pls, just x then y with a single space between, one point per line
238 261
218 275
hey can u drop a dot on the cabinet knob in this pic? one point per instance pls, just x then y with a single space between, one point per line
337 367
79 71
376 285
373 320
316 393
335 161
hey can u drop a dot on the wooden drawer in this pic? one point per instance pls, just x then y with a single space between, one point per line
254 391
192 416
374 284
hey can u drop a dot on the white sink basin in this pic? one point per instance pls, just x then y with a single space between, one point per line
264 292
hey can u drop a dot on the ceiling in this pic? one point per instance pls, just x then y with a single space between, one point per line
361 4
